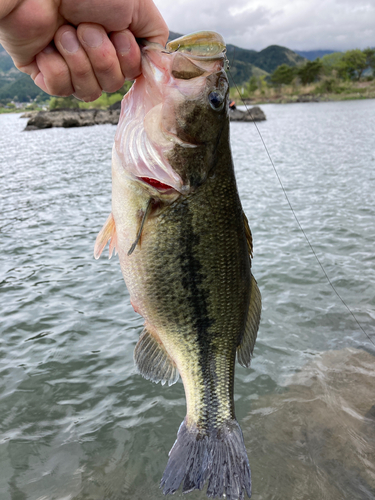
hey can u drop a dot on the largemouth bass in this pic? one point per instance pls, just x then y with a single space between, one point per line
185 251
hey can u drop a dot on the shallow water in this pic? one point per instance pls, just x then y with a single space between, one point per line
78 422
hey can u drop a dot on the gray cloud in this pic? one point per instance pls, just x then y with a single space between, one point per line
297 24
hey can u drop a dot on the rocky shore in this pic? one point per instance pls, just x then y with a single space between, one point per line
68 118
254 114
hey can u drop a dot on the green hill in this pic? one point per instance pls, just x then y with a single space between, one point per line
15 85
273 56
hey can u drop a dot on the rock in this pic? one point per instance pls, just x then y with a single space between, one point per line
29 114
254 114
307 98
69 118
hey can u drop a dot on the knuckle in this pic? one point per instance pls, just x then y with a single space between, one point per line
106 66
58 83
82 72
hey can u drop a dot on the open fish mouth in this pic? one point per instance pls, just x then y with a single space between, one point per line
147 131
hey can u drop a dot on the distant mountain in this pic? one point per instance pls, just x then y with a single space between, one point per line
273 56
311 55
15 85
6 62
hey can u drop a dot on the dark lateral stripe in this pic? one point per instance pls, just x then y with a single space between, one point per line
197 297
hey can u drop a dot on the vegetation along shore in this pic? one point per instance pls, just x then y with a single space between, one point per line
334 77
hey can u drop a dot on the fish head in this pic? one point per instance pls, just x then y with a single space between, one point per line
173 117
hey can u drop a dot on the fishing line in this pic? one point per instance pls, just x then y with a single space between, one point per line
296 218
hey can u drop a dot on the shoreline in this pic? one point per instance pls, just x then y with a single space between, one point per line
303 98
254 101
315 92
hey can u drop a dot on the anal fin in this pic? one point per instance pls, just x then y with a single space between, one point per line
153 361
107 232
246 347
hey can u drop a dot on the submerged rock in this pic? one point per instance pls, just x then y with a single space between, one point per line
68 118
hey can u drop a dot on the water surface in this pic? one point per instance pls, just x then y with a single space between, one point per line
78 422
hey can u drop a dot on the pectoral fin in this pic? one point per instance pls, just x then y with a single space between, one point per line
246 347
153 361
107 232
139 234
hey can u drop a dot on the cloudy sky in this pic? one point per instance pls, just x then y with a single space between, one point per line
296 24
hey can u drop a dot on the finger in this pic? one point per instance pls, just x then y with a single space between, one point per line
85 84
102 56
54 76
128 53
147 22
37 77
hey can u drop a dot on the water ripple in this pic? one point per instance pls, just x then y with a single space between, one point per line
77 420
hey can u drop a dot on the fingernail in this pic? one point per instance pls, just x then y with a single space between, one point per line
70 42
92 37
48 50
121 41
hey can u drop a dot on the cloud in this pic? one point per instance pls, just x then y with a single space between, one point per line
297 24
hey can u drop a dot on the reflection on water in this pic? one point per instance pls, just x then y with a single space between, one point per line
317 438
78 422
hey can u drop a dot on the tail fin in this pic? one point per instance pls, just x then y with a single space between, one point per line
218 456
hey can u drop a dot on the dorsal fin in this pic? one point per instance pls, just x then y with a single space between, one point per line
107 232
249 237
246 347
153 361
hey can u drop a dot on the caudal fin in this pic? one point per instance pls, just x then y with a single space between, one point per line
218 457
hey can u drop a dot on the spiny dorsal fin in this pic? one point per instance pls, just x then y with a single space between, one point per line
107 232
246 347
153 361
249 237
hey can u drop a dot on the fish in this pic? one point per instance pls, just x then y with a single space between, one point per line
185 250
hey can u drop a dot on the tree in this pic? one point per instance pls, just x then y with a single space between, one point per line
334 63
370 59
310 71
252 84
283 74
355 63
63 103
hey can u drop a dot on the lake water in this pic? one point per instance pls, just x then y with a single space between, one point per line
78 422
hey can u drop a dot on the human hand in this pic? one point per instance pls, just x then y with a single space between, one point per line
79 47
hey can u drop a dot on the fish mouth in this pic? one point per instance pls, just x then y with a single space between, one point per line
154 185
148 132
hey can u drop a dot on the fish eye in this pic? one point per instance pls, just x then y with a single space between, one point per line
216 100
